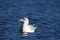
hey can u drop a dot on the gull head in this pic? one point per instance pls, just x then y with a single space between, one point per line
25 20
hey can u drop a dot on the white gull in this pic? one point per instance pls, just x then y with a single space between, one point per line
26 27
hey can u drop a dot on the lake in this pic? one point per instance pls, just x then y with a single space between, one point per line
45 14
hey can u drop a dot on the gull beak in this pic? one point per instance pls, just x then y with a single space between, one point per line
21 20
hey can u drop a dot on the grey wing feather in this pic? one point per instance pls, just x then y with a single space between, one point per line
32 27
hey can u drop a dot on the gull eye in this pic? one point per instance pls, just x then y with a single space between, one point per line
23 18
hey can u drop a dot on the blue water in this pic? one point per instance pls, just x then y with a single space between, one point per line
45 14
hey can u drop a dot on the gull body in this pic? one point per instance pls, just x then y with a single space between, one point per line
26 27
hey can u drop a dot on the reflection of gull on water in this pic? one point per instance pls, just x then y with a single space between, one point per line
26 27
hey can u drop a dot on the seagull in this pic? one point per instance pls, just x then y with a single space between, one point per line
26 27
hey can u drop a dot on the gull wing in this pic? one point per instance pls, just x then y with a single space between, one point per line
32 27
